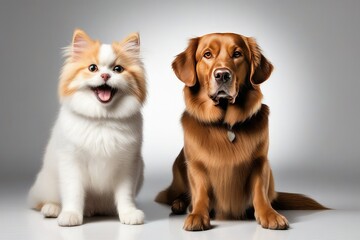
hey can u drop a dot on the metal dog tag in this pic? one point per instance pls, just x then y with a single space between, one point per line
231 135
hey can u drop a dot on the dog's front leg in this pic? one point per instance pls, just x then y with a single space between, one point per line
264 213
199 218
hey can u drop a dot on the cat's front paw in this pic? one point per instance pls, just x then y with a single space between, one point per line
50 210
132 217
69 219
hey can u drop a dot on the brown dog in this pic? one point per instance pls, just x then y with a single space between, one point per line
223 167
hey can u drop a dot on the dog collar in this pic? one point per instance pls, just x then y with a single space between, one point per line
230 129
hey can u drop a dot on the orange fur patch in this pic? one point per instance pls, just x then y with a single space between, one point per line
74 68
134 70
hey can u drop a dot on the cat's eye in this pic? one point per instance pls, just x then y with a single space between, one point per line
93 68
207 54
118 69
237 54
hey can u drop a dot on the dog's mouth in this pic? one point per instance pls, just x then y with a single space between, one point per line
104 93
222 95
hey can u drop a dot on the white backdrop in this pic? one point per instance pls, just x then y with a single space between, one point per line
312 93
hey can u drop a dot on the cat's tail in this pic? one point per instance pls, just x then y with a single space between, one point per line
295 201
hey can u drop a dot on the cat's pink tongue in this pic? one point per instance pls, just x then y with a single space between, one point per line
104 95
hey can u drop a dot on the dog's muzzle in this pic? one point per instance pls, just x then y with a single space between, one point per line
223 82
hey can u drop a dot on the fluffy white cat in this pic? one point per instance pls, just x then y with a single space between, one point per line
93 162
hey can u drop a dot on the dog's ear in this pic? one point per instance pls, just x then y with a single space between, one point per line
184 64
260 67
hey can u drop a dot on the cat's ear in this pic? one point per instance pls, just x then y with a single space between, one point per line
132 43
80 42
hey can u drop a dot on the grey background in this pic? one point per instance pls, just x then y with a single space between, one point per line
313 92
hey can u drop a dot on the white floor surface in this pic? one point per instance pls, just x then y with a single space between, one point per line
18 222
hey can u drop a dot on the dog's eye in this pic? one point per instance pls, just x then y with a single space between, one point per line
93 68
237 54
118 69
207 55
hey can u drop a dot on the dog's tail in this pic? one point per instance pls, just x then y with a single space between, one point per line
295 201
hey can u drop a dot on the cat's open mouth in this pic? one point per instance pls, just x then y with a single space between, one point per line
104 93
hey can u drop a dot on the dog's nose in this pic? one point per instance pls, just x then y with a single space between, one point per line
105 76
222 75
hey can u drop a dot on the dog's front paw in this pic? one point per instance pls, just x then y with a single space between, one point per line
197 222
132 217
50 210
272 220
69 219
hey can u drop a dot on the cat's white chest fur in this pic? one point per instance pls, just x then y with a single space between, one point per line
102 148
102 138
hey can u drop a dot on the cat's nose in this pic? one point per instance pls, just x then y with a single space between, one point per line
105 76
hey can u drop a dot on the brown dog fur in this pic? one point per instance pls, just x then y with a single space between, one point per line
211 172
